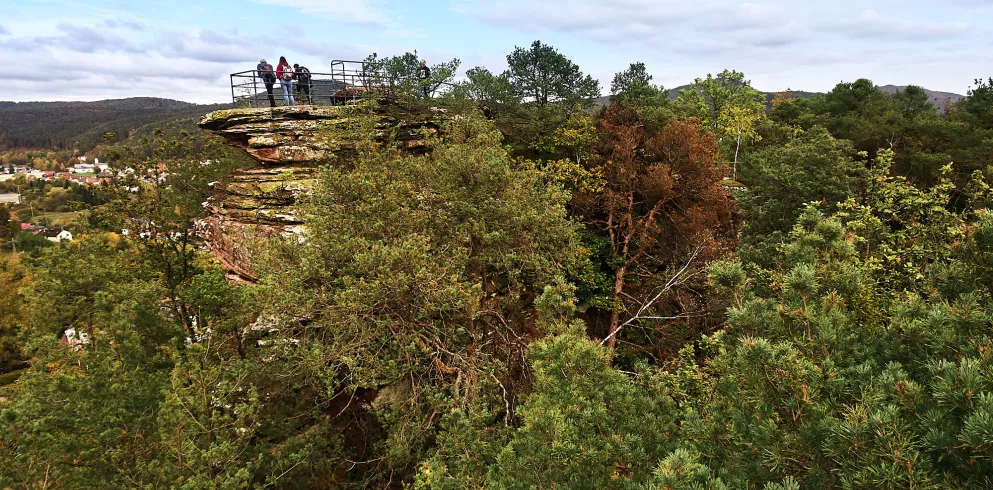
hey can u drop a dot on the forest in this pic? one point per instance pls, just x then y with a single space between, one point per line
82 126
711 291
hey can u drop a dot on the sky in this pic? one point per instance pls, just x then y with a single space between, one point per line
185 49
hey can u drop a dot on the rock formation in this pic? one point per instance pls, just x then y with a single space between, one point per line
290 143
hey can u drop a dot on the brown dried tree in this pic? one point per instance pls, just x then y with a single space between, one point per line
662 208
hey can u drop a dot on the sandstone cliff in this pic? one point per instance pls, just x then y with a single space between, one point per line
290 143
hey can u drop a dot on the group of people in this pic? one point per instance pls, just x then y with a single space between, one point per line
286 76
304 82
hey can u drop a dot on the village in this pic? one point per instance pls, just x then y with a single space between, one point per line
44 205
82 172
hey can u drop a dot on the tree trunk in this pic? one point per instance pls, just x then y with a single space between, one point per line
615 315
734 169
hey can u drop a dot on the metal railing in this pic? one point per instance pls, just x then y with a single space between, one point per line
347 82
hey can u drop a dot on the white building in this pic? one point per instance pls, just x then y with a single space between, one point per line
10 198
57 236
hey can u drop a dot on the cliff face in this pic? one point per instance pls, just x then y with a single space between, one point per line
289 143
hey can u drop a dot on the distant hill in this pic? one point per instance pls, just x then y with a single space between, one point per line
941 100
83 125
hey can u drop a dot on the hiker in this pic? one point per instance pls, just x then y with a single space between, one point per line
486 112
268 78
423 75
304 83
285 75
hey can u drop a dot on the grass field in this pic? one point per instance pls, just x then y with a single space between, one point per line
58 219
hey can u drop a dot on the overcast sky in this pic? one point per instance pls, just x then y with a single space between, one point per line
185 49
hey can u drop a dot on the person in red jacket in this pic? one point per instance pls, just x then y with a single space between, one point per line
284 72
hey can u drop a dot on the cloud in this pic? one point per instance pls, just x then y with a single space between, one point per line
635 16
205 45
3 31
58 73
119 23
657 24
871 25
361 13
87 39
75 62
660 23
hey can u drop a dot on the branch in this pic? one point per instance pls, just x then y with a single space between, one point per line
678 279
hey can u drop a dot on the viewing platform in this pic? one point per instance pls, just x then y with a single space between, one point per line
344 83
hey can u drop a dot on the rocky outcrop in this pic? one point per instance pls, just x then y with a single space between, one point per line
289 144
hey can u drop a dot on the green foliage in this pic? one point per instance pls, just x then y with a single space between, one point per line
634 87
586 425
979 102
728 106
811 167
594 276
30 243
439 321
398 75
13 276
718 95
82 417
682 470
413 279
483 86
542 75
573 140
906 122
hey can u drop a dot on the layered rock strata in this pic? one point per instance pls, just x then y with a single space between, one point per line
289 144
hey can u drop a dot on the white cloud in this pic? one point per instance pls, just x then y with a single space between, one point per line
83 63
653 24
872 25
742 24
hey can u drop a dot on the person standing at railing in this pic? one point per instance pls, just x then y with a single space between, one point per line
423 77
268 78
304 83
285 74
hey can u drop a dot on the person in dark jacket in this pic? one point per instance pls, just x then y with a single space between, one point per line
268 76
424 77
285 75
304 81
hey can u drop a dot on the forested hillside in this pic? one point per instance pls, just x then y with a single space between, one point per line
83 125
940 100
712 292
